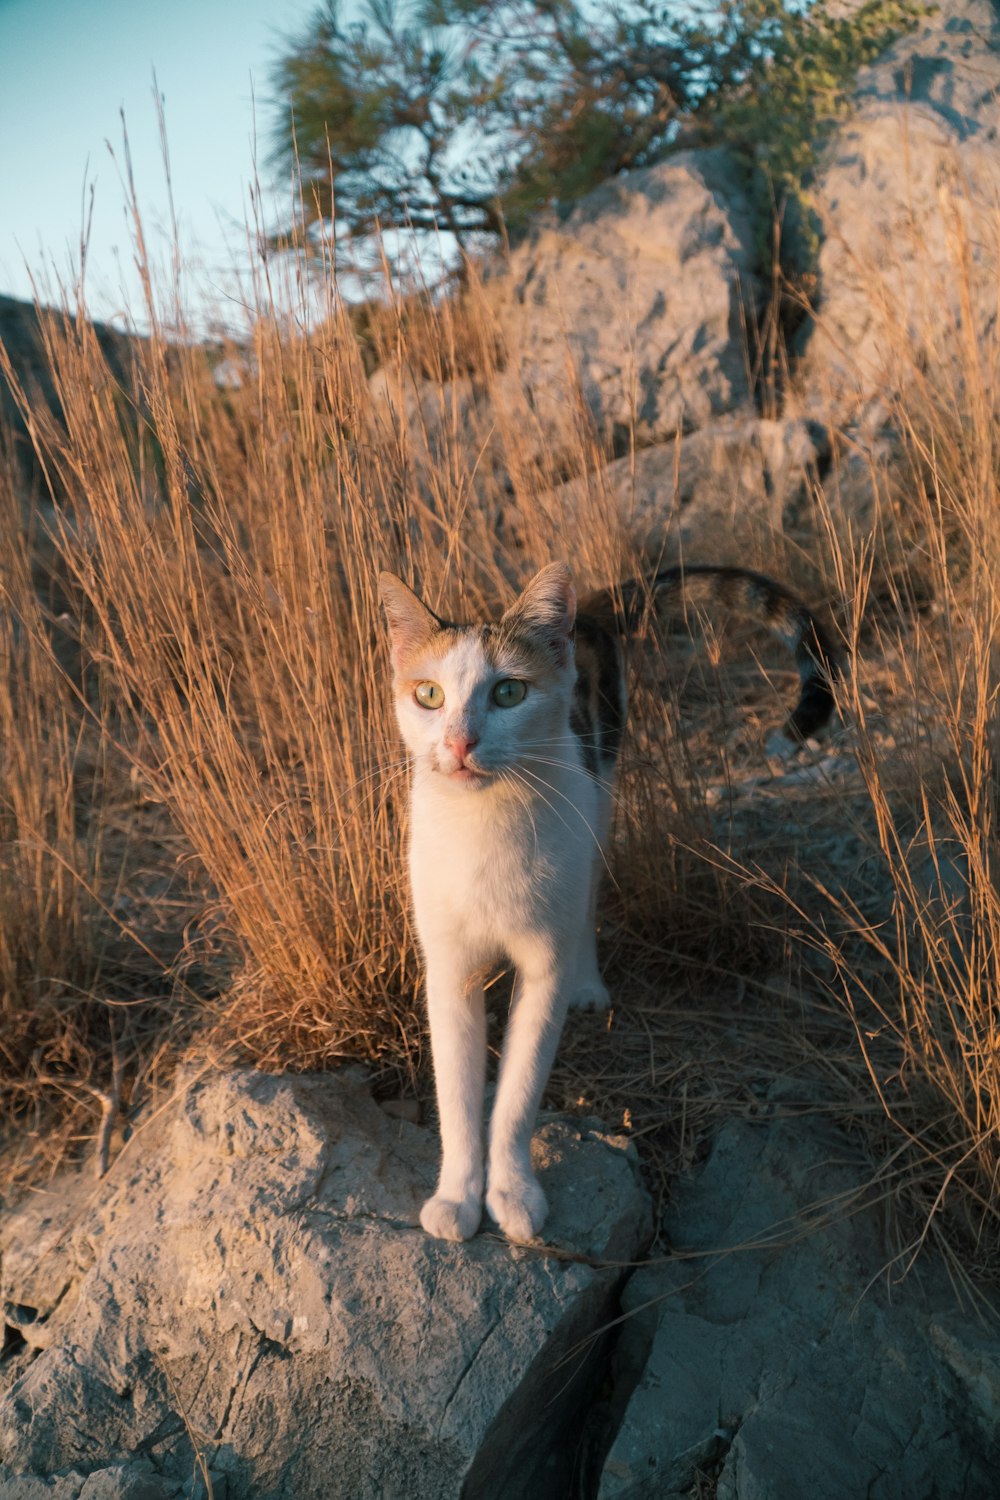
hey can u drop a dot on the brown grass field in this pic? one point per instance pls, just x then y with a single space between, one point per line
203 802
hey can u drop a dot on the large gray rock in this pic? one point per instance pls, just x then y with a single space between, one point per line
636 300
626 316
247 1294
723 494
907 195
777 1352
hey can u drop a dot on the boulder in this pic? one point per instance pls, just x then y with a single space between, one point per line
780 1351
907 195
635 301
247 1296
723 494
629 311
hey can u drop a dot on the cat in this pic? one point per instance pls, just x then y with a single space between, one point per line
513 731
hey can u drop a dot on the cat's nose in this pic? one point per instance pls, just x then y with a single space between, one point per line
460 744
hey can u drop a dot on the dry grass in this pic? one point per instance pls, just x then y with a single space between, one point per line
221 549
216 742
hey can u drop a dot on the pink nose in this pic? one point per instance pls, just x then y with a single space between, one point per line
460 745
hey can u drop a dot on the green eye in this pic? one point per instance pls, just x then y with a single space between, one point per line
429 694
508 692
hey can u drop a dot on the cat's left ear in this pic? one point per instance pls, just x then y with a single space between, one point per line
411 623
547 607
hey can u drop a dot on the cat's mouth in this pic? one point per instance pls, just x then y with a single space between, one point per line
467 775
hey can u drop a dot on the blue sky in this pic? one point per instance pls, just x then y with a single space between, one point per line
67 69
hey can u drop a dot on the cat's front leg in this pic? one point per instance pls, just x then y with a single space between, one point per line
457 1014
514 1198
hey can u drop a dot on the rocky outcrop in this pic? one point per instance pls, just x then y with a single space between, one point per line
245 1307
247 1298
632 307
907 197
635 302
781 1351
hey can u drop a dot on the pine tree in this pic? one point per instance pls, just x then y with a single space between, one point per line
463 118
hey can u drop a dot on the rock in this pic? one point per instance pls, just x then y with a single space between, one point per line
135 1480
906 195
776 1352
863 480
638 295
633 303
22 334
131 1481
248 1288
28 1487
431 412
711 495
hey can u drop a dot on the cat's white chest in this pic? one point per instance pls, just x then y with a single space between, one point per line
487 870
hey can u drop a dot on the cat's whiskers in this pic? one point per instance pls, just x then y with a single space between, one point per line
533 791
570 764
522 771
397 768
602 781
524 796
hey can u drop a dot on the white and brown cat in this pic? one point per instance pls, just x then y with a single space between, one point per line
514 730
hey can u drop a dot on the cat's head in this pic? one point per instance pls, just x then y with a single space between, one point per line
475 702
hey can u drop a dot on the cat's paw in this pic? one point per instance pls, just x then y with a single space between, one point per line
448 1219
589 994
519 1208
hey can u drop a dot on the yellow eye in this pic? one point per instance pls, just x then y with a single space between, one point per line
508 692
429 694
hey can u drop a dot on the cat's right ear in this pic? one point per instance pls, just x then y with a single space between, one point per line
411 623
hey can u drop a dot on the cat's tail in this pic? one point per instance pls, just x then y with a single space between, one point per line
704 587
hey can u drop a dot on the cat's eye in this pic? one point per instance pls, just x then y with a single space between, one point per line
509 692
429 694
